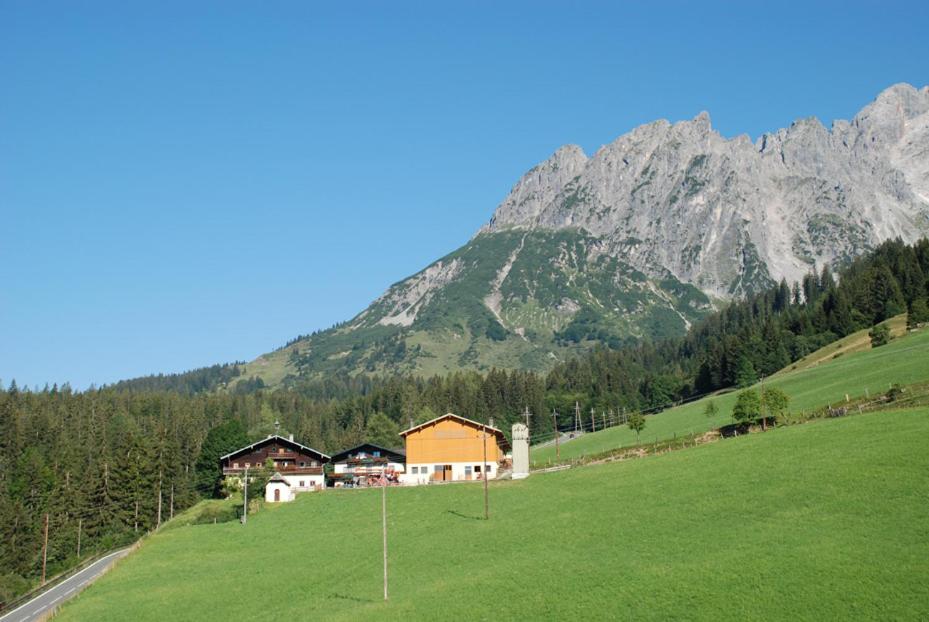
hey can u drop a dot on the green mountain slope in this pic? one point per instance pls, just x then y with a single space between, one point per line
811 522
512 299
860 372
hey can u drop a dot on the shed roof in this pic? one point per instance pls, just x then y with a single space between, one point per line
278 478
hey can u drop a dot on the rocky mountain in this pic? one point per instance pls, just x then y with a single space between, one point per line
640 239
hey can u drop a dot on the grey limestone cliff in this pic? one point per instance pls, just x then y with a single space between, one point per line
731 215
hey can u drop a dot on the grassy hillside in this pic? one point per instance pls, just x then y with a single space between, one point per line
904 360
811 522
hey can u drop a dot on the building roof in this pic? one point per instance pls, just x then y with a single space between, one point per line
278 478
279 439
501 438
398 455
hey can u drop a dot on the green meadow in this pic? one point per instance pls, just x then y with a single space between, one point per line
825 520
855 373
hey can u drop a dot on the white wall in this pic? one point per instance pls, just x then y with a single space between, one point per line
310 482
458 472
286 494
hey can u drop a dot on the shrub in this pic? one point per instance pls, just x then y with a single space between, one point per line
880 335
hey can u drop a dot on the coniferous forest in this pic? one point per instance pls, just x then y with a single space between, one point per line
102 462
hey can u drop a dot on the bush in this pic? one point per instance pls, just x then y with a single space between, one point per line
11 586
747 407
880 335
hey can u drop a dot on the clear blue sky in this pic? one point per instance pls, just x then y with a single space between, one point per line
184 183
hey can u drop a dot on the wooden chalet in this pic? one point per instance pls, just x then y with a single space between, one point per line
300 465
362 465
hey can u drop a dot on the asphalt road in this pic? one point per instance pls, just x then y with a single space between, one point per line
70 587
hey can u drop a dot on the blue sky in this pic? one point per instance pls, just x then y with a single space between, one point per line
184 183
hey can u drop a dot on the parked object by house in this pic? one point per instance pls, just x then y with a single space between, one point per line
278 490
452 448
300 466
365 465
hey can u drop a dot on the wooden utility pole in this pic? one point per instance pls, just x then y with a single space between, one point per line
160 479
577 417
245 496
764 426
171 506
384 527
486 497
45 549
557 434
593 421
79 524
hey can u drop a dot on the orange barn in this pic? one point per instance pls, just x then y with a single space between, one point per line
452 448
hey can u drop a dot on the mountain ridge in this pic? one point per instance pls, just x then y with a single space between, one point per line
639 240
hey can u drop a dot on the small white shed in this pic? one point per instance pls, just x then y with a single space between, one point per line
278 490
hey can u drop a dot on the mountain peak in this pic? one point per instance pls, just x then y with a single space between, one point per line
723 213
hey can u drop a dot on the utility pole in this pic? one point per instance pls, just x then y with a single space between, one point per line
79 524
45 549
764 423
384 527
593 421
245 496
527 414
577 417
171 506
486 498
557 434
160 480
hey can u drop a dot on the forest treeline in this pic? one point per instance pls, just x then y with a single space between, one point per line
98 461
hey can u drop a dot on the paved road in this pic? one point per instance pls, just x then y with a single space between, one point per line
68 588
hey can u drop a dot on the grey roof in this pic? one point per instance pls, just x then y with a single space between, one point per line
277 477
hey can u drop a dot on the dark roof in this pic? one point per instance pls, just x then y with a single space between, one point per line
397 455
278 439
501 438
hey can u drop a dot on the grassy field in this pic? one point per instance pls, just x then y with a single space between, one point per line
904 360
818 521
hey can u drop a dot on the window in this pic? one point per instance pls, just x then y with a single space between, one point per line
302 484
467 470
439 468
235 465
248 464
302 463
477 468
377 454
490 469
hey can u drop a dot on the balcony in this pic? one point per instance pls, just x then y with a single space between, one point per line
290 469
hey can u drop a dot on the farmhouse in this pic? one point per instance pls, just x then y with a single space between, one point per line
299 466
452 448
365 465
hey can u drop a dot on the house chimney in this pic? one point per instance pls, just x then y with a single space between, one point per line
290 437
